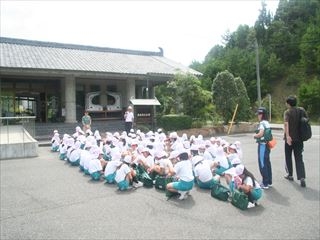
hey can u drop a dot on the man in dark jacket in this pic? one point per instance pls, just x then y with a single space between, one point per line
293 141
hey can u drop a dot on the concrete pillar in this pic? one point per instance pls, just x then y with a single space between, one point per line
130 90
70 94
151 92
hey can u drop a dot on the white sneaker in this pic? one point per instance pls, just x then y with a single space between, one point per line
137 185
251 205
183 195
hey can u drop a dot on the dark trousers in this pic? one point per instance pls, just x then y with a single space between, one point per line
128 126
297 148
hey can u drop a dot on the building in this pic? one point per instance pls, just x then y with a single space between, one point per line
51 80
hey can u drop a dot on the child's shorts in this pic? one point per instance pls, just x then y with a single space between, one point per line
123 185
206 185
95 176
110 178
183 186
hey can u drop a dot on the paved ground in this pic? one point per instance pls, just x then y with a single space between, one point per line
44 198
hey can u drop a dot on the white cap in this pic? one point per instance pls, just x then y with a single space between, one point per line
145 149
173 135
239 169
127 159
160 154
234 147
196 159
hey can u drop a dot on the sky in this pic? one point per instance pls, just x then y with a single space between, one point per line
185 30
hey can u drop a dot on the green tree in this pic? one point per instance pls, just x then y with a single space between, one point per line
309 96
310 47
243 112
224 94
184 95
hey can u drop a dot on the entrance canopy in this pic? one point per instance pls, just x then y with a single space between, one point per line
145 102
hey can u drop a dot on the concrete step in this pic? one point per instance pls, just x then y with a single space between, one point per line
44 131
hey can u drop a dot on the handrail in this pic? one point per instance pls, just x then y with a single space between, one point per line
27 123
27 117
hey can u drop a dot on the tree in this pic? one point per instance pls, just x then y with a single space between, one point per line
310 47
184 95
224 94
243 113
309 96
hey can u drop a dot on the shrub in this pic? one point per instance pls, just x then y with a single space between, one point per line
175 122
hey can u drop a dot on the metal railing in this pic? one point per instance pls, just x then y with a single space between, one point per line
10 126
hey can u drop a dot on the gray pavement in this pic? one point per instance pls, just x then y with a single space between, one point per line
45 198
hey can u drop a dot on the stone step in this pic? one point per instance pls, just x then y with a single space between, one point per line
44 131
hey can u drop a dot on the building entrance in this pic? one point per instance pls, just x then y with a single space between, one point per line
31 98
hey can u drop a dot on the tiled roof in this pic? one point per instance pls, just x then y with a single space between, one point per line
20 53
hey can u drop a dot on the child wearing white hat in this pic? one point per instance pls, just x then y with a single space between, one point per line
55 141
85 157
111 168
163 166
96 164
124 173
221 163
75 153
146 160
248 184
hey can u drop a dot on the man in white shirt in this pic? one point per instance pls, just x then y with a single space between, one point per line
128 118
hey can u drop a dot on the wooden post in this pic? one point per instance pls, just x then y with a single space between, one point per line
234 114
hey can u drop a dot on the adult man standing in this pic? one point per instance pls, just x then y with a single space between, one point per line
293 141
128 119
86 121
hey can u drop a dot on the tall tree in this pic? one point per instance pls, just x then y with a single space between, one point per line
243 113
224 94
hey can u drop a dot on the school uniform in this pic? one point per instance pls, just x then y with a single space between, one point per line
203 174
165 164
55 142
75 154
86 161
256 191
183 170
221 159
120 178
95 169
110 171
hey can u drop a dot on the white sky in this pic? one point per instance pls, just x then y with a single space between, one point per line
186 30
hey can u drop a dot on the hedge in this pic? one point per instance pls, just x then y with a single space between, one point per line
175 122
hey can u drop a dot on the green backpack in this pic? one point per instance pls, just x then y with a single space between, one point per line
144 177
240 200
267 133
162 181
220 192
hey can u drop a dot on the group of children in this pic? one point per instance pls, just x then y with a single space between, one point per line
118 158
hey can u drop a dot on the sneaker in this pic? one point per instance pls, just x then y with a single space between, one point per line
183 195
251 205
137 184
302 182
270 185
288 177
264 186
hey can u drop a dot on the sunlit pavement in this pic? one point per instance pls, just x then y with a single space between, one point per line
45 198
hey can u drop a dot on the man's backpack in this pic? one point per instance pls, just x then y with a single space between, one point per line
304 126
